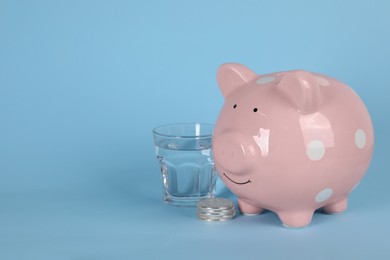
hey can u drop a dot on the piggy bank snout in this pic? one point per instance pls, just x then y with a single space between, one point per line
230 150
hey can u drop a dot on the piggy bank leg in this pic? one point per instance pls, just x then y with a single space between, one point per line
248 209
336 207
297 219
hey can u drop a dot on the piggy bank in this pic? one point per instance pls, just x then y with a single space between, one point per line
290 142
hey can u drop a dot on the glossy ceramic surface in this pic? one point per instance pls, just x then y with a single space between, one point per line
290 142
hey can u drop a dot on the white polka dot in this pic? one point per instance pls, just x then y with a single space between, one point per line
265 80
315 150
323 195
360 138
322 81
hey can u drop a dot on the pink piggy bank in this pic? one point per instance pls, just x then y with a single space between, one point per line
290 142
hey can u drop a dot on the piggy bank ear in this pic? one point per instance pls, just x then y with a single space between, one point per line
230 76
301 90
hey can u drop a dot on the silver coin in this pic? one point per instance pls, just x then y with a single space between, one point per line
215 209
215 219
215 203
212 213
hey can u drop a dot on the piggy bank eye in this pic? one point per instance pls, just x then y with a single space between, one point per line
255 109
235 105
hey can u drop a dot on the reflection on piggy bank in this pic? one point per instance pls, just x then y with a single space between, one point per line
290 142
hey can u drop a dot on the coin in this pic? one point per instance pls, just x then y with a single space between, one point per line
215 203
212 212
214 219
215 209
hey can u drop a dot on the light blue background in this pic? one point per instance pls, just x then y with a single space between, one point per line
82 84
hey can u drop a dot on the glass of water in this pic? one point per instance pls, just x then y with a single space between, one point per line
187 168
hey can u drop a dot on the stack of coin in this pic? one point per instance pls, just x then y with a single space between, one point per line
215 209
